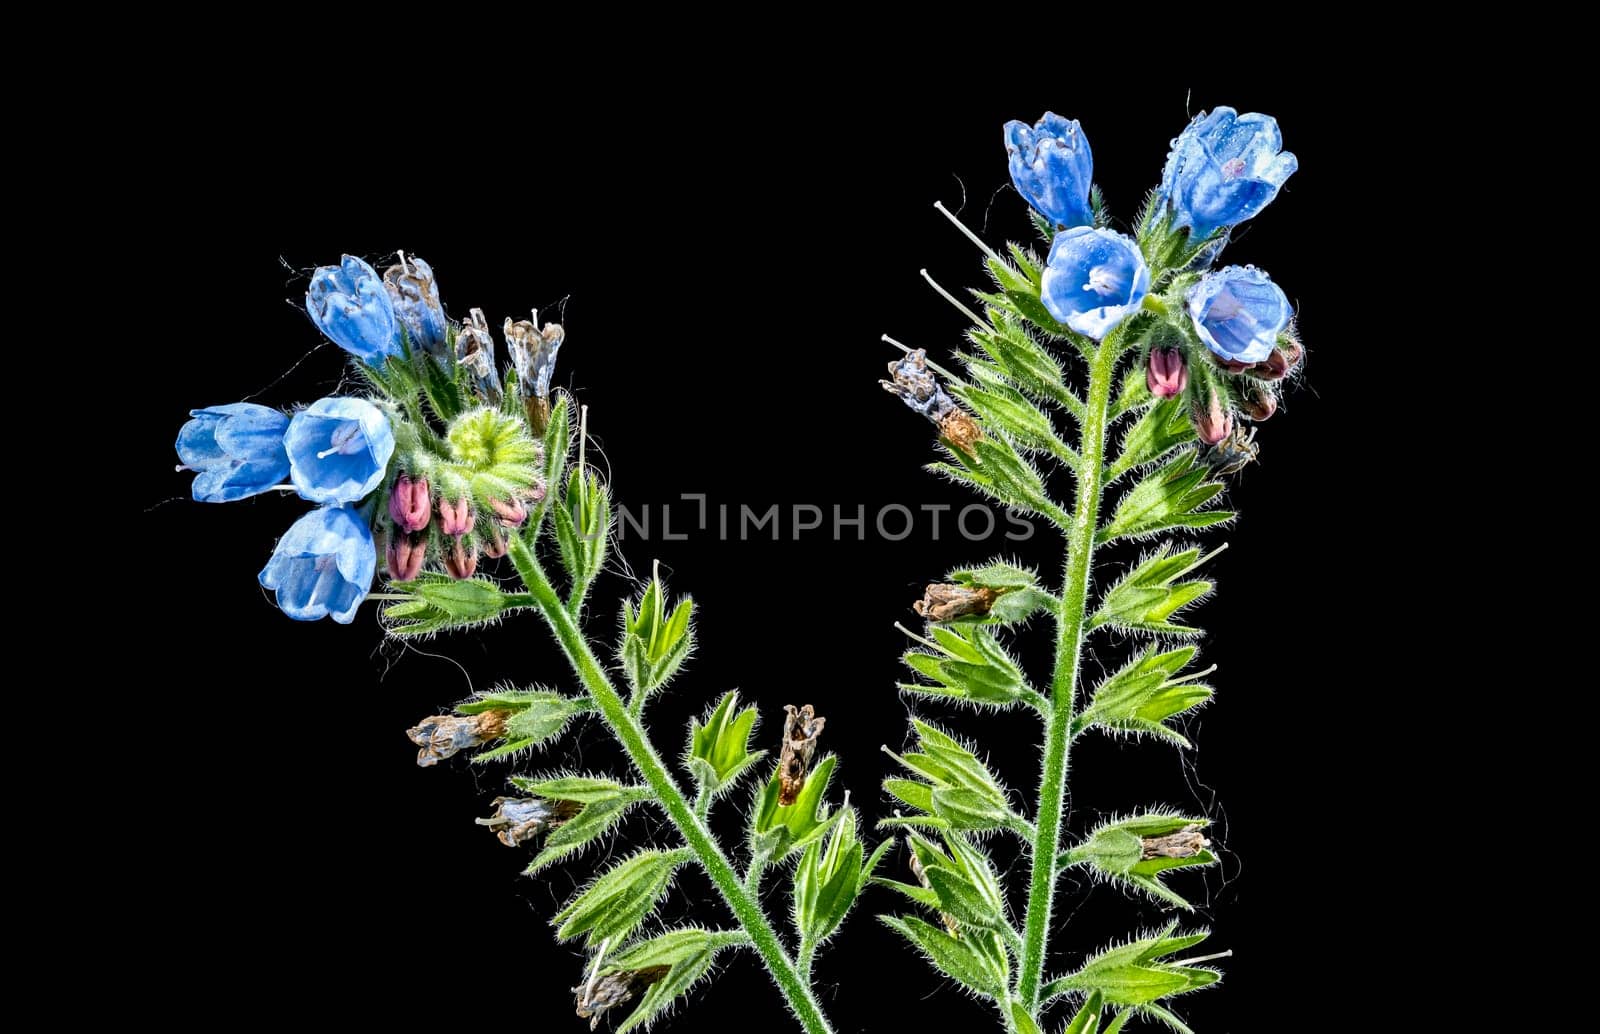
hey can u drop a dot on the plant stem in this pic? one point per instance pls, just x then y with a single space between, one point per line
631 735
1070 622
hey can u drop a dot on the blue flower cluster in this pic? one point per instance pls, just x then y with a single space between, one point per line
1224 168
339 453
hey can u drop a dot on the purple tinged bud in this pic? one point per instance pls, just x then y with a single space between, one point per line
1167 374
455 518
1258 403
410 503
510 513
405 555
495 548
1212 421
462 559
536 493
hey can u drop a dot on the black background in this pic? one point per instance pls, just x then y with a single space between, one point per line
723 277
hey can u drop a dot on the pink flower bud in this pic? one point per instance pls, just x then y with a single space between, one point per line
1258 403
455 518
495 548
1167 375
410 503
406 552
536 493
1230 365
509 512
1292 354
1212 421
462 559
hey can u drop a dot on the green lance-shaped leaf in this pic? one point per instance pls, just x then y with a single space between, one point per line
1087 1019
667 966
438 602
614 905
591 823
776 829
1160 429
582 519
965 661
1017 593
1145 692
1148 595
1173 496
1136 851
557 437
535 717
719 744
1012 348
995 470
827 881
1135 974
958 882
1022 1020
978 962
956 789
655 639
1009 411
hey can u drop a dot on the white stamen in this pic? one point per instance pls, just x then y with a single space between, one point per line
1103 280
920 639
947 296
180 468
970 235
594 974
403 267
1201 958
346 440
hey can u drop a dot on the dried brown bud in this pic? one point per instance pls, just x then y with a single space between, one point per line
946 602
614 989
516 820
445 735
958 427
800 732
1185 843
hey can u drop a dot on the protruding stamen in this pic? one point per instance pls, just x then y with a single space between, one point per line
1201 958
180 468
346 439
974 238
925 642
403 267
947 296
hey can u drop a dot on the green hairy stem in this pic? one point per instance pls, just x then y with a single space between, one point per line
1070 620
630 733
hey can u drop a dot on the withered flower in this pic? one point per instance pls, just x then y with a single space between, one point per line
1185 843
516 820
943 601
614 989
800 732
446 735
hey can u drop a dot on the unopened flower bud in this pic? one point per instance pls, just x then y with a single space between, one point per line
614 989
1258 403
445 735
1185 843
406 552
1275 367
1292 353
516 820
455 518
1167 375
495 546
1212 420
461 559
946 602
410 503
1230 365
509 512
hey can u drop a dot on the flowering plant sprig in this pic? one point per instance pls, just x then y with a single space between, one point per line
449 465
1177 354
